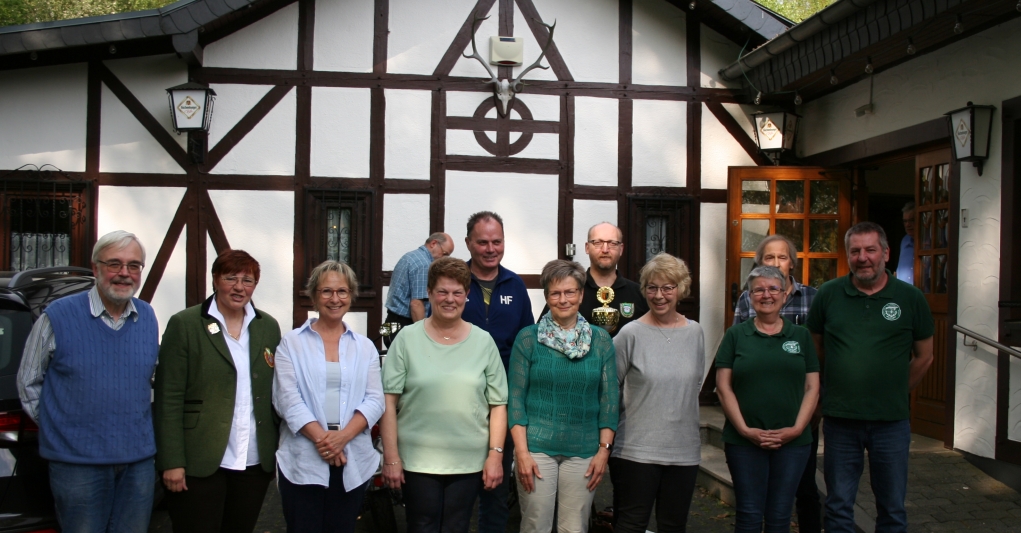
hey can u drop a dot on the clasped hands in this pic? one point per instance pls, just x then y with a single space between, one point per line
771 439
331 448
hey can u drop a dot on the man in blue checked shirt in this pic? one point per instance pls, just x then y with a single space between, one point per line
407 299
779 251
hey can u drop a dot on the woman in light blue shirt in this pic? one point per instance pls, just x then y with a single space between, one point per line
328 390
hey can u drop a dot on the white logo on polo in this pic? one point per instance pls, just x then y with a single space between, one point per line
506 300
792 347
891 312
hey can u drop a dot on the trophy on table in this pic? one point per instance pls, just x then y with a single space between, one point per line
605 317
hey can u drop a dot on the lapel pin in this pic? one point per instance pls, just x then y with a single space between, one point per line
270 358
213 328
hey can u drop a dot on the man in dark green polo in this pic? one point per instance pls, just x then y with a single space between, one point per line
873 333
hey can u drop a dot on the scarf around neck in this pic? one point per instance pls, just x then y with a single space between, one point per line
574 342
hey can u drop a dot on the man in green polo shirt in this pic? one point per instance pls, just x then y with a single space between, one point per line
873 334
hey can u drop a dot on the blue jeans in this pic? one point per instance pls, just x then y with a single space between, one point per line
888 444
765 482
103 498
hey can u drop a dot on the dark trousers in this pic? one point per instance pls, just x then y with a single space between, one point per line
493 510
765 482
228 501
637 485
807 498
440 503
400 319
314 508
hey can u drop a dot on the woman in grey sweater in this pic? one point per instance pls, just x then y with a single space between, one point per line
660 366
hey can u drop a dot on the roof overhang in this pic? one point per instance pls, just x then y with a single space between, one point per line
840 40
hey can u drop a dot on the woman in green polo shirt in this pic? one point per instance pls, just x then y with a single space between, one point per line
563 406
446 409
767 379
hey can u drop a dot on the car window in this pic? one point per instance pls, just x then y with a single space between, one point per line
14 329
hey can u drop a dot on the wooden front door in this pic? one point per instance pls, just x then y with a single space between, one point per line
809 205
933 259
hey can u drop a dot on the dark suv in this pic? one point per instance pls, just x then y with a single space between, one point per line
26 504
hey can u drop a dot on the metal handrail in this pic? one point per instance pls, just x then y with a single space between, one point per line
969 333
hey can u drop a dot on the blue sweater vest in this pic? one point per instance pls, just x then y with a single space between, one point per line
95 406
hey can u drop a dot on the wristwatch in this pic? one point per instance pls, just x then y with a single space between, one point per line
497 448
607 445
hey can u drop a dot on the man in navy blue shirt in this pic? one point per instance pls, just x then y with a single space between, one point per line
498 303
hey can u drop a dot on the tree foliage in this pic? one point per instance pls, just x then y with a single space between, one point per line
13 12
796 10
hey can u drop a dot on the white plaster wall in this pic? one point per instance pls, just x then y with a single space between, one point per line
126 146
538 300
595 140
659 144
262 224
588 213
408 140
148 79
43 113
422 30
343 36
169 298
147 212
340 132
659 39
712 262
233 102
982 69
271 43
405 226
269 148
719 151
464 104
462 142
542 146
587 36
526 202
717 52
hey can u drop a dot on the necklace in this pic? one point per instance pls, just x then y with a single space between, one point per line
772 329
440 333
661 328
235 337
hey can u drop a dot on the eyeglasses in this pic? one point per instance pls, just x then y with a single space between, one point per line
343 294
570 294
761 291
595 243
651 290
114 267
232 280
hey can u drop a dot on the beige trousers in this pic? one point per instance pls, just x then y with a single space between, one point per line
563 483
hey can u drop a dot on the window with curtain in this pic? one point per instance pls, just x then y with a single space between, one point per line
339 227
42 224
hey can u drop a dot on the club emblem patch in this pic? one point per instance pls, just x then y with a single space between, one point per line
627 310
270 358
891 312
792 347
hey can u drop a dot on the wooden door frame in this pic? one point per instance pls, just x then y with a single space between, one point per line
900 144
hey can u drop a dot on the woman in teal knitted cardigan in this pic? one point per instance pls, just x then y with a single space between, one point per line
563 406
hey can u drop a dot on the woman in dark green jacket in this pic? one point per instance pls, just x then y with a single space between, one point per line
216 432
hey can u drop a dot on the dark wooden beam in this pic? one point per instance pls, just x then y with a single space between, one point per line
462 39
737 132
493 124
93 118
437 157
142 115
159 263
245 125
541 34
522 165
213 226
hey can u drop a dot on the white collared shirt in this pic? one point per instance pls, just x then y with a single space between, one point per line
242 447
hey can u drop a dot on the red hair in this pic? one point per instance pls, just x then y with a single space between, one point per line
233 262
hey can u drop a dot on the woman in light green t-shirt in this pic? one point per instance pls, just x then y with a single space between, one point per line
446 409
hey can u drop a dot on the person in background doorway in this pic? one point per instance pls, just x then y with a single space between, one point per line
906 262
604 247
874 334
407 301
657 448
780 252
97 351
498 303
216 431
563 407
767 436
326 456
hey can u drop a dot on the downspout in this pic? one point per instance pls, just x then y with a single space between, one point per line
834 13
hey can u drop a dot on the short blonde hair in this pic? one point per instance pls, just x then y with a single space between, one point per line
341 268
669 267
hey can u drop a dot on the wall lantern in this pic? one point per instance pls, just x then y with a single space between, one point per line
191 106
775 132
970 129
